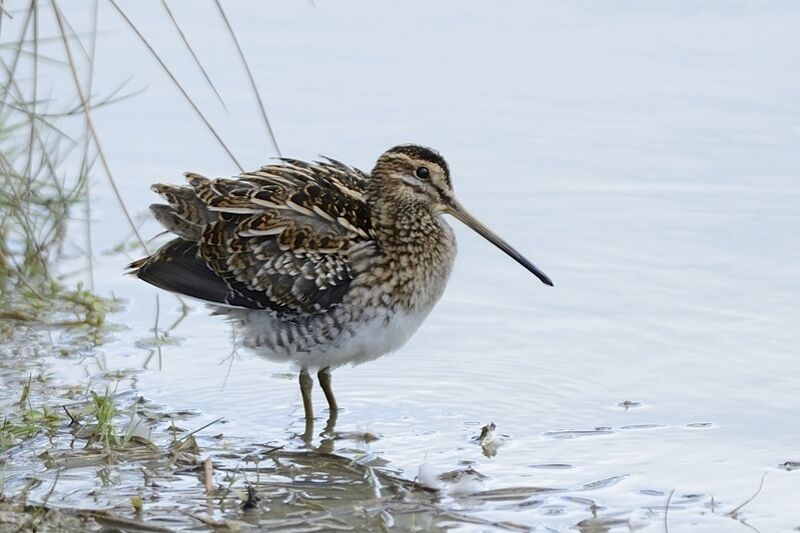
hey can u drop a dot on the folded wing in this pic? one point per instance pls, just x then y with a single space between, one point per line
278 238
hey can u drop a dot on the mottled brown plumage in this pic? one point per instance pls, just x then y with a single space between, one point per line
322 263
277 237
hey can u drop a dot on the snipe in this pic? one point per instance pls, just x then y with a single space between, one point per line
326 264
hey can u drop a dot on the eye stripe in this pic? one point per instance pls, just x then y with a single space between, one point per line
410 158
420 154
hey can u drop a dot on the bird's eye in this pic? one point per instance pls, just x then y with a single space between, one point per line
423 173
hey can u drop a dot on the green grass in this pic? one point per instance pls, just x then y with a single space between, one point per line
46 158
99 420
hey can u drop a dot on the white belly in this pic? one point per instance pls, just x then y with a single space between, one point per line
383 333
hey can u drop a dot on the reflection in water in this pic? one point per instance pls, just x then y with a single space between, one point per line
328 435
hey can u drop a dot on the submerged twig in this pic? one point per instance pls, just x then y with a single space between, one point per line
666 511
217 524
195 431
735 511
120 522
53 488
208 475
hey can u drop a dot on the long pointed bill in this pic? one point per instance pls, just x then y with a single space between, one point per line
458 211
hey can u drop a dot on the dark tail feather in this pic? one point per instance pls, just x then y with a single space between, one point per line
175 267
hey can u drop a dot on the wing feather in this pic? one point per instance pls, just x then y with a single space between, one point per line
280 237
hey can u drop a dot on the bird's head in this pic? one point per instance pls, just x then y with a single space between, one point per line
415 175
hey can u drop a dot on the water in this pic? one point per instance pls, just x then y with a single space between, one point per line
644 156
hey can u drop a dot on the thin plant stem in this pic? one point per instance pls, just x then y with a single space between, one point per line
34 95
90 123
86 167
13 68
177 84
3 13
191 51
250 77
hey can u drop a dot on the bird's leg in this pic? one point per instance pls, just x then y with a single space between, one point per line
306 383
324 376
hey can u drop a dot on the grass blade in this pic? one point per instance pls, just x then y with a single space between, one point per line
191 51
250 77
85 165
34 90
177 84
89 122
17 53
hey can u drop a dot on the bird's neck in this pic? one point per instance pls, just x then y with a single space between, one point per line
417 251
403 223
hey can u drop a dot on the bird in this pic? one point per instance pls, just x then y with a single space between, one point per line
323 263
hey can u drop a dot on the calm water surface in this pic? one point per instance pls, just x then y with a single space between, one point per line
645 157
